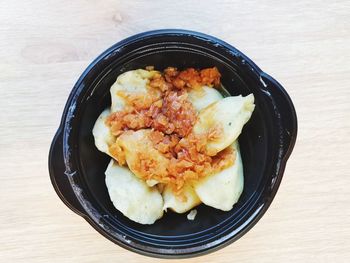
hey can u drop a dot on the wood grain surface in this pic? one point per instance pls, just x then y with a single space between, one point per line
44 47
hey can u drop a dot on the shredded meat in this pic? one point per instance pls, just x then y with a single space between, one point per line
188 160
192 78
171 116
178 113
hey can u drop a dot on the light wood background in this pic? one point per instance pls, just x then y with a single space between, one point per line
44 47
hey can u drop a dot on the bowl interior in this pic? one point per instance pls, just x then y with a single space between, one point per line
253 143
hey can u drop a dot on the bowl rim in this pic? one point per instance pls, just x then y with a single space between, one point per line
162 253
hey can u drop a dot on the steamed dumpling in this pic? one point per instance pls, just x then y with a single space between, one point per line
136 147
229 115
222 190
131 196
203 97
102 135
133 82
173 203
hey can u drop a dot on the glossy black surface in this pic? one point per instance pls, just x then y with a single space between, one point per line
77 167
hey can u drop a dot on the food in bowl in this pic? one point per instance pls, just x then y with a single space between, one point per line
172 136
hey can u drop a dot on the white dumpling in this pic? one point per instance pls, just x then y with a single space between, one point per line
175 204
135 147
131 82
222 190
229 114
203 97
131 196
102 135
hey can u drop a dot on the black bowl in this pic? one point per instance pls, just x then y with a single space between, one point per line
77 167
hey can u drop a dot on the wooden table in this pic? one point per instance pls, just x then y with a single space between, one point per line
44 47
